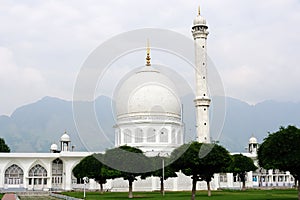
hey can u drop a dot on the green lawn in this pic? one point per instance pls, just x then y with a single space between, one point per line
216 195
1 195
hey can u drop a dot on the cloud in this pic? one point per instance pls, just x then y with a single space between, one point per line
253 44
256 49
17 82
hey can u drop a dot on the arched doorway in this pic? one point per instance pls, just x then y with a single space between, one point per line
14 176
37 177
57 174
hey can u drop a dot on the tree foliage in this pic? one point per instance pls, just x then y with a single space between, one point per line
240 165
130 162
92 167
3 146
200 161
281 150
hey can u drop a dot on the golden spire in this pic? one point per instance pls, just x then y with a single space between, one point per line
148 54
198 10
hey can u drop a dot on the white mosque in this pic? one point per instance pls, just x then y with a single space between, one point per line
149 117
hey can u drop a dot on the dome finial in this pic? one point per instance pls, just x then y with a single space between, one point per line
148 54
198 10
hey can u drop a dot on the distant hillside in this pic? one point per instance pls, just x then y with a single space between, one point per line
242 120
33 127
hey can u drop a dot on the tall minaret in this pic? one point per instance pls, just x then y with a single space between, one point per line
202 101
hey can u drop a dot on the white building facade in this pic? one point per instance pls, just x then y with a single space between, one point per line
40 171
53 171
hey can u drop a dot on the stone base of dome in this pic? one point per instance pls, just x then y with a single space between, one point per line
150 137
157 118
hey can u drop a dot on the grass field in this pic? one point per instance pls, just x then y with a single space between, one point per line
216 195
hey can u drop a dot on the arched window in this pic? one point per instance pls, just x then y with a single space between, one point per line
163 135
127 136
14 175
57 171
37 175
151 135
38 170
139 135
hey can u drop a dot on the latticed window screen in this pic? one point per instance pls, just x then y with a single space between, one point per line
57 171
164 135
151 137
139 135
127 136
14 175
38 170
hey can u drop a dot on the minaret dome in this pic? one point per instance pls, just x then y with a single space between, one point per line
199 20
253 145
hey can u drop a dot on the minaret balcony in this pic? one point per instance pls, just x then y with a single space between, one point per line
204 101
199 34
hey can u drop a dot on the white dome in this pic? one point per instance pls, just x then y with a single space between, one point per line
65 138
147 91
252 140
53 147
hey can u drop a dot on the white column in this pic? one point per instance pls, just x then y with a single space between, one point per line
249 182
230 180
67 175
153 183
216 180
121 137
2 172
202 100
175 184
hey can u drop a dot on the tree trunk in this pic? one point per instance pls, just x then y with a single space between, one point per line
194 188
242 177
130 195
208 188
101 188
162 186
244 185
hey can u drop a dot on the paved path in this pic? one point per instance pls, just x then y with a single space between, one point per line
38 198
9 197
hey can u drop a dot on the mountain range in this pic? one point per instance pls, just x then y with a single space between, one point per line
34 127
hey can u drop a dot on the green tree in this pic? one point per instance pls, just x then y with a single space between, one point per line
3 146
130 162
200 161
92 167
280 150
240 165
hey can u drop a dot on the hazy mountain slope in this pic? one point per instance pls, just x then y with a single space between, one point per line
33 127
243 120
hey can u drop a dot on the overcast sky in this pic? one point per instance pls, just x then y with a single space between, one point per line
254 44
